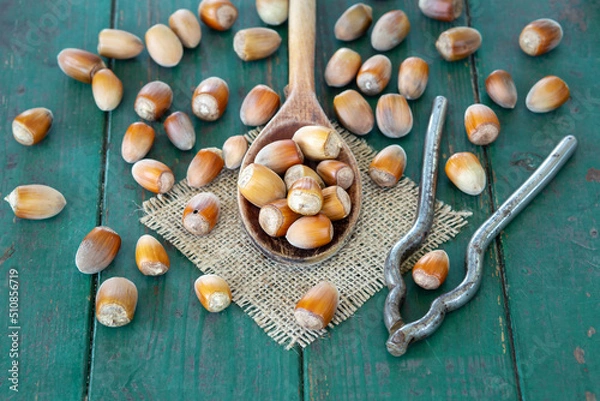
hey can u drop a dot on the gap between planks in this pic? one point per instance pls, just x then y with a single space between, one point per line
106 131
498 241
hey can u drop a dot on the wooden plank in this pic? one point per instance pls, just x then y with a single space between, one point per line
469 356
551 259
174 349
53 297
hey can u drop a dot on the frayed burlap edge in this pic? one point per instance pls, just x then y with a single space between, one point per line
267 290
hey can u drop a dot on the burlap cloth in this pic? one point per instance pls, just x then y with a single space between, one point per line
267 290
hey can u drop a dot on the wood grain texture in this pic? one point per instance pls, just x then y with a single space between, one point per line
53 296
551 259
546 261
469 356
174 349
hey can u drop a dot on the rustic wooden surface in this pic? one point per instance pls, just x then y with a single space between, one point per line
530 333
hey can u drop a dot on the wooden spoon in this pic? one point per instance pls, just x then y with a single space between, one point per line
300 109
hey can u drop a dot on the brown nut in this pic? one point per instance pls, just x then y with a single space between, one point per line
164 46
501 89
305 197
387 166
97 250
180 130
354 112
548 94
210 99
318 143
80 64
337 204
205 167
442 10
31 126
213 292
118 44
153 100
35 202
217 14
413 75
276 217
153 176
482 124
354 22
316 308
342 67
234 150
116 301
137 142
310 232
259 105
335 172
394 117
151 257
465 171
390 30
272 12
260 185
187 28
280 155
540 36
298 171
431 270
374 75
256 43
201 213
458 43
107 89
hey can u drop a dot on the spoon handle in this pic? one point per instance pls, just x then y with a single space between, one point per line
301 45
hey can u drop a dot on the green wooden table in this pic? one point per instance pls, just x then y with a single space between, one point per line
530 333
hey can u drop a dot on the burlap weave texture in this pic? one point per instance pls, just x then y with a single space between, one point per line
268 291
